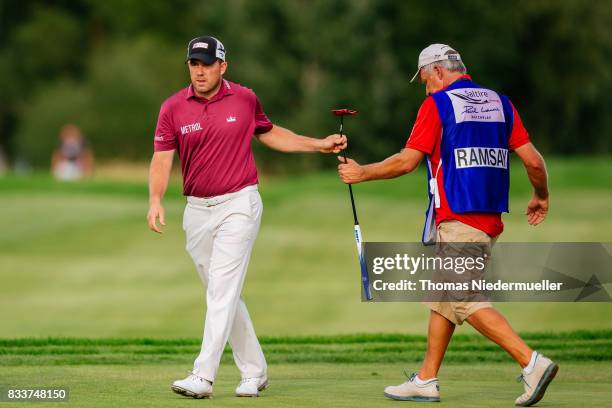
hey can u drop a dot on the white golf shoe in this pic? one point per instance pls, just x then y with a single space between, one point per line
536 381
250 387
193 386
411 391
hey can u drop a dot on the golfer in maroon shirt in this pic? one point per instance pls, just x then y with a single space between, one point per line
211 124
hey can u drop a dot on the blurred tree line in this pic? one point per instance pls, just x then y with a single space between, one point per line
108 65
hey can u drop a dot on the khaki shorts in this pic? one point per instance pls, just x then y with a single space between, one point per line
455 231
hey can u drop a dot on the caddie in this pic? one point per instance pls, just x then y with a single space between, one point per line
466 133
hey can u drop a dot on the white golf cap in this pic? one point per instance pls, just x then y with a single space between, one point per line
434 53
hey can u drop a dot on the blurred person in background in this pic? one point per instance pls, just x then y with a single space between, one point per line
3 162
73 160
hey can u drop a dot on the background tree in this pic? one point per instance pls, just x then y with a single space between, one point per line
107 66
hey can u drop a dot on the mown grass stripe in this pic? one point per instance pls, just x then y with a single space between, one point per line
359 348
338 339
322 356
379 348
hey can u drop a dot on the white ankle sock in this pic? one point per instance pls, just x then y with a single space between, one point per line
418 380
529 367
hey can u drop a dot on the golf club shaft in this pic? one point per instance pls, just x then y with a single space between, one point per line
365 279
349 186
358 239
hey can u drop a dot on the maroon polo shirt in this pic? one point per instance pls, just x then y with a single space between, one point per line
212 137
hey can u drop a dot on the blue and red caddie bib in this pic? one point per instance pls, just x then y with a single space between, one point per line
474 154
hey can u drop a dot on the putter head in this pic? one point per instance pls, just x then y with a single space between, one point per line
342 112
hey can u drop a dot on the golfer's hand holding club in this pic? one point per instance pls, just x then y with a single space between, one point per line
333 144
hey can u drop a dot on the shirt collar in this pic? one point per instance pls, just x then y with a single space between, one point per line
464 77
225 89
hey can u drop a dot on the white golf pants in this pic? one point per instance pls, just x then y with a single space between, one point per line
220 233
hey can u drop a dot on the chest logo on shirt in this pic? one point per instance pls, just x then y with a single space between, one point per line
230 119
191 128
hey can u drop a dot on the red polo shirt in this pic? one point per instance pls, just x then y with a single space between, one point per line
213 138
425 137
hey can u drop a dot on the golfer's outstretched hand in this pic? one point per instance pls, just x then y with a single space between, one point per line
333 144
156 211
350 172
537 208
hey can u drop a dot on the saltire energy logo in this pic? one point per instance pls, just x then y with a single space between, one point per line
476 105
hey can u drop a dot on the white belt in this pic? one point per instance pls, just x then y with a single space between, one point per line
216 200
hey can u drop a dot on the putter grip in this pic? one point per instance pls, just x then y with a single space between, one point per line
365 280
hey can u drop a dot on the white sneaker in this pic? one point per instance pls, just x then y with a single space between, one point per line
411 391
250 387
537 381
193 386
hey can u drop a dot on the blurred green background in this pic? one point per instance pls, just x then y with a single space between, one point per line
108 65
76 259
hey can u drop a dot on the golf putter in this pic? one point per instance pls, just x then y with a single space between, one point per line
365 280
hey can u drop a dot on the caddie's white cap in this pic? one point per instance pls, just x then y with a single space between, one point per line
434 53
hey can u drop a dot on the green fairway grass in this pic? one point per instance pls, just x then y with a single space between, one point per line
77 259
310 385
356 348
307 371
